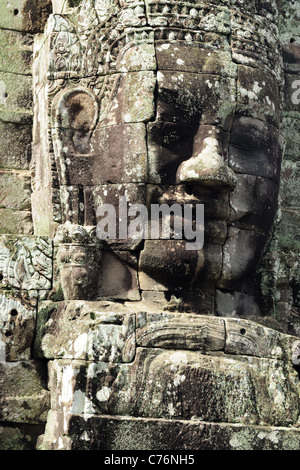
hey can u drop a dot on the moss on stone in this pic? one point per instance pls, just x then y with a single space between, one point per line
43 316
15 221
19 437
288 237
58 295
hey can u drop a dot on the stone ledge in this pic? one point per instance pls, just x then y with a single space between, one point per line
125 433
24 15
15 221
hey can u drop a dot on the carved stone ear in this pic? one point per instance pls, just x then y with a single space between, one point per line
74 117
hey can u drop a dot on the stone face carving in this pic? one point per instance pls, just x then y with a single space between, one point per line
160 102
155 94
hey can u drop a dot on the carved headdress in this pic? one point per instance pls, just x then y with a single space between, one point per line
104 27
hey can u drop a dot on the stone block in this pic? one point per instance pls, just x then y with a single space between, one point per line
190 98
178 331
168 264
216 204
147 283
169 144
23 397
241 252
13 221
104 331
121 154
253 203
17 324
97 196
16 51
24 15
130 433
134 100
255 148
40 66
258 95
192 57
15 190
79 387
154 298
120 157
215 231
15 93
213 261
252 339
223 388
158 382
118 278
15 145
138 57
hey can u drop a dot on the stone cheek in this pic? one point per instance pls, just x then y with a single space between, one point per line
121 154
235 268
255 148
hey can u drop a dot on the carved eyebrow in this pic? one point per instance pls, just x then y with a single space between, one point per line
245 134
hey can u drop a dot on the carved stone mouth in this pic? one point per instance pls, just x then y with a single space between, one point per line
216 203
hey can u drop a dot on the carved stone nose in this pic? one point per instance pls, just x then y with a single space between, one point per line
207 167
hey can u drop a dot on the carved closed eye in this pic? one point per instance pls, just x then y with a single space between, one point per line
79 258
64 258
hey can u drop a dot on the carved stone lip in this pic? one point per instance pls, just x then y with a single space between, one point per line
212 209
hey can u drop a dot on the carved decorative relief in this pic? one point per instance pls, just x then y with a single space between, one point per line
25 262
78 258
